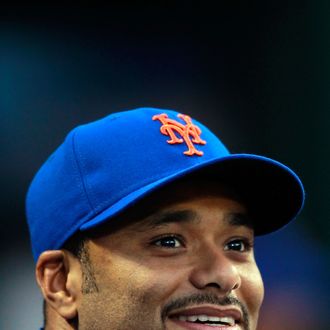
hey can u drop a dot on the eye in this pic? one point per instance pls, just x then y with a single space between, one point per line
168 241
239 245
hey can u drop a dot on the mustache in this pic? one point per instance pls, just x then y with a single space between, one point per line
207 298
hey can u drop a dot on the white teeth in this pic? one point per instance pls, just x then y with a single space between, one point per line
229 320
204 318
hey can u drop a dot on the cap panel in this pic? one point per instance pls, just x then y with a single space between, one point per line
121 155
56 200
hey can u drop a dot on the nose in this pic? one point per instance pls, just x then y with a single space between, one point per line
214 269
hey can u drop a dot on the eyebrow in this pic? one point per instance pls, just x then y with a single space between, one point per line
165 218
239 219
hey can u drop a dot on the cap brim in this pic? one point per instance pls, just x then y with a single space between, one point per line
272 192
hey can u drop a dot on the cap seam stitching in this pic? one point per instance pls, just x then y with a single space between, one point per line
74 151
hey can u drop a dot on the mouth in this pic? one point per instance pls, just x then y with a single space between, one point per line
207 318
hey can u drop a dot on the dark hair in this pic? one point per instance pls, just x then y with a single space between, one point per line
75 244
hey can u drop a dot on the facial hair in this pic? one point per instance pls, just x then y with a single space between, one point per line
197 299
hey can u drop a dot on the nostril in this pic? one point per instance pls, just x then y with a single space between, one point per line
235 286
214 285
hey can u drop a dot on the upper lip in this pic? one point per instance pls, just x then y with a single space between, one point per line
210 310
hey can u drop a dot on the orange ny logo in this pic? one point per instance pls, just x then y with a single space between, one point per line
189 133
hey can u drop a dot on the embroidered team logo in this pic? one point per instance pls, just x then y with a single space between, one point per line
181 133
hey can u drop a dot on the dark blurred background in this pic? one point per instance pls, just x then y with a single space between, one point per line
257 73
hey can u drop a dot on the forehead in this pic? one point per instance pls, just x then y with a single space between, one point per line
183 196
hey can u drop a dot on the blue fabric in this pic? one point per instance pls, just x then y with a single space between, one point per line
104 166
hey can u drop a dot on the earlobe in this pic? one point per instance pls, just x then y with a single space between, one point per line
52 274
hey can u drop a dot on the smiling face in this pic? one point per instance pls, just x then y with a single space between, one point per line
188 263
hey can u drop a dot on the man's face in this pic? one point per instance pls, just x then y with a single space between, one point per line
188 264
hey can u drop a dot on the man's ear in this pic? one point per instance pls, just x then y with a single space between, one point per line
58 274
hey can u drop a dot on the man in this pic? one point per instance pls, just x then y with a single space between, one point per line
144 220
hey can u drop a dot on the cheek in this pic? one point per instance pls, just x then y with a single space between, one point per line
129 290
153 283
121 303
252 290
131 274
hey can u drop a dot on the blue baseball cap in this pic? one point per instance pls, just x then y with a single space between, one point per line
106 166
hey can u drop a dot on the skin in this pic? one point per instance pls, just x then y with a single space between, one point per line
190 253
